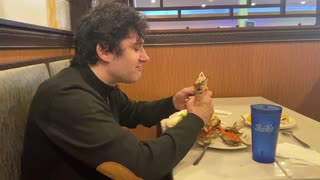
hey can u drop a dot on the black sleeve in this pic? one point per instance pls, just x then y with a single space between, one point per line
133 113
83 126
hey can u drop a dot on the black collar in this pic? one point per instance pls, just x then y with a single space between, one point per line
95 82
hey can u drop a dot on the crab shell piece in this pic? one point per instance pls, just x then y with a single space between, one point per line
231 141
201 84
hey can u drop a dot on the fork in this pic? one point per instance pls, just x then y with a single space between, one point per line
290 133
205 147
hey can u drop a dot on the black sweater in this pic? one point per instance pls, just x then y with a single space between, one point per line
75 124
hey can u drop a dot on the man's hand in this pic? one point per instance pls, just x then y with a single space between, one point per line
181 98
201 105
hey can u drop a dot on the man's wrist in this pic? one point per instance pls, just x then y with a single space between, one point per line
174 102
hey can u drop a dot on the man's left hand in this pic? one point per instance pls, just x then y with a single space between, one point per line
181 98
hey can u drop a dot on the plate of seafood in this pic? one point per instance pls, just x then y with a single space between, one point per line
218 143
224 137
285 123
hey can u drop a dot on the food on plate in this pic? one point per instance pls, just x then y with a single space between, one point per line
209 131
230 135
200 84
284 119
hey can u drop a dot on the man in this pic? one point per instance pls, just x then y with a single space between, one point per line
74 127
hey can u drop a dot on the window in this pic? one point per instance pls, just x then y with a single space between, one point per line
185 14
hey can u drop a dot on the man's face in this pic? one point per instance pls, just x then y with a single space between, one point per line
127 67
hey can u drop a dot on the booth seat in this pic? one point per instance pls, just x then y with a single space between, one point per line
17 87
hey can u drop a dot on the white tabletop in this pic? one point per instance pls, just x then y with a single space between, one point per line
238 164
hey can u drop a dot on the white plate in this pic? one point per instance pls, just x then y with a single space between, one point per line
290 124
217 143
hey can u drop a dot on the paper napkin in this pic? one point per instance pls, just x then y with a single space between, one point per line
222 112
298 154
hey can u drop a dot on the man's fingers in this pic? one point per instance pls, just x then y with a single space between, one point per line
208 93
189 90
205 93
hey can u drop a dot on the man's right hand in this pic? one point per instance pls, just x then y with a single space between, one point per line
201 105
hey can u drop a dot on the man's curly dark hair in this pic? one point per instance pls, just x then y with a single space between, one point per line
106 24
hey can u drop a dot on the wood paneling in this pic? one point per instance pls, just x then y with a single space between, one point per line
287 73
17 35
20 55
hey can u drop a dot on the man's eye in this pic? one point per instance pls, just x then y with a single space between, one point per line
137 49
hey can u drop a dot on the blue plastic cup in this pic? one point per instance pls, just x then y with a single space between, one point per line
265 122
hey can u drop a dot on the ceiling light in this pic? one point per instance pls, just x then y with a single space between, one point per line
153 1
253 4
203 5
303 2
210 0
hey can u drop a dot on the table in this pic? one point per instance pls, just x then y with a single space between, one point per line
238 164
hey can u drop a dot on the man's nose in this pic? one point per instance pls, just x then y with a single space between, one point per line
143 55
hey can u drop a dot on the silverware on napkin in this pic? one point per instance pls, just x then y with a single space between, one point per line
295 137
205 147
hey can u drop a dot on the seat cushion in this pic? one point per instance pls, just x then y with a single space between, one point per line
17 87
57 66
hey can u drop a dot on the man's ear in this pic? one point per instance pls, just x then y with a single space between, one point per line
103 53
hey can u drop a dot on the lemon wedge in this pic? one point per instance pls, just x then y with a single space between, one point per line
284 118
